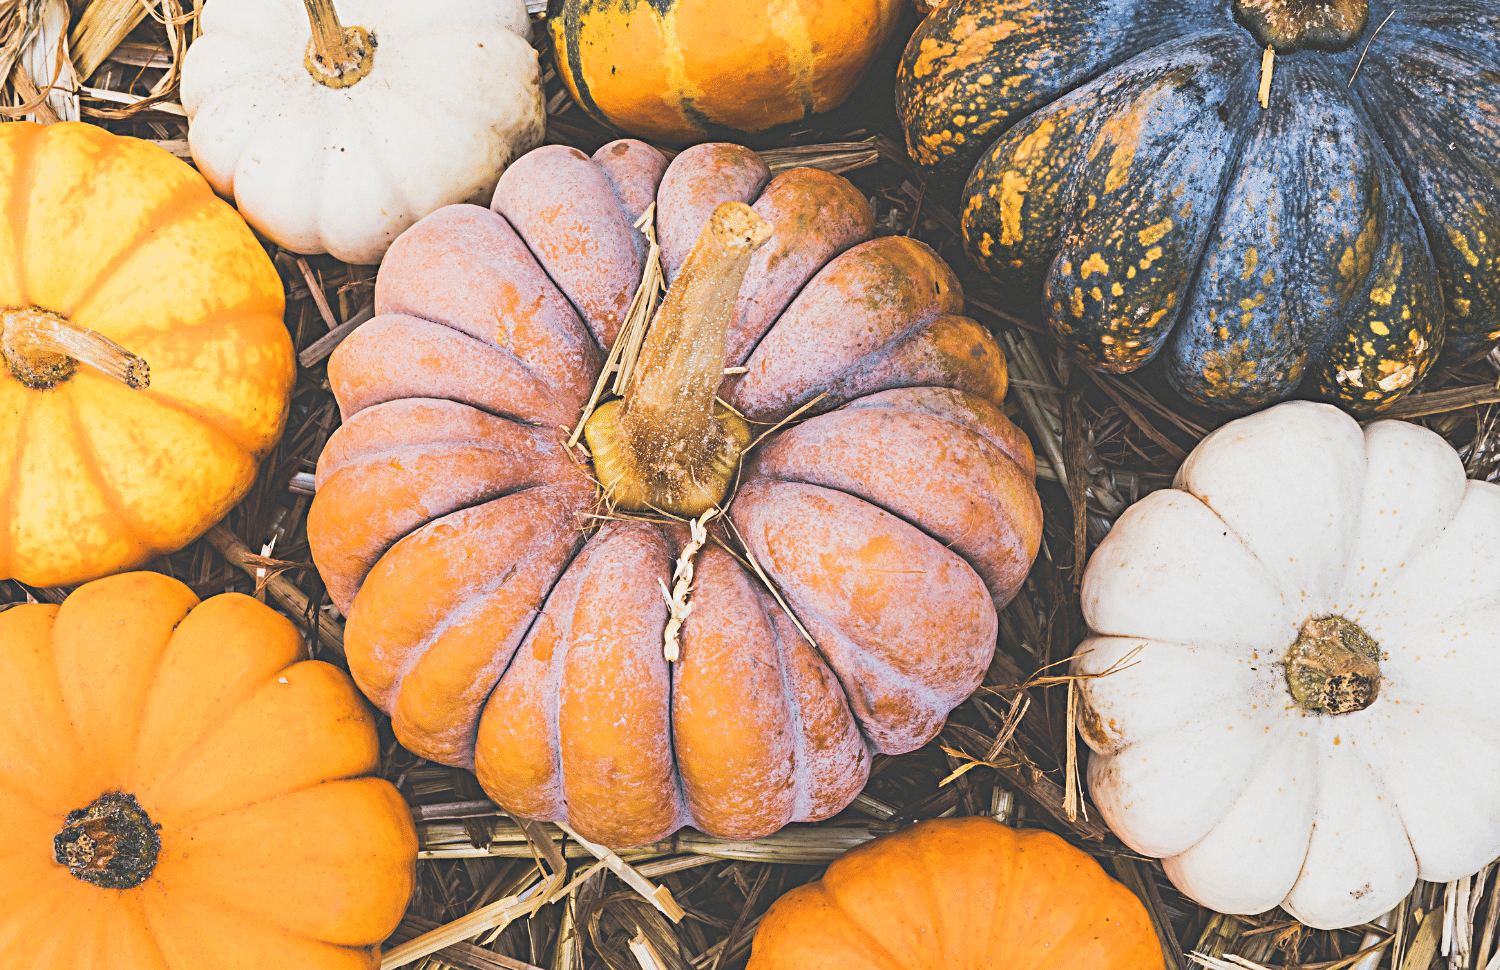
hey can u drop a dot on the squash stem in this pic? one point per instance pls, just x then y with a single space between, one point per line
42 349
338 56
667 444
112 843
1333 667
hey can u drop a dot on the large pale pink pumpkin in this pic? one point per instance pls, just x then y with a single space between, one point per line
504 628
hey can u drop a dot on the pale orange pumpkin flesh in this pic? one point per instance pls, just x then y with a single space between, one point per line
125 453
248 763
959 894
453 527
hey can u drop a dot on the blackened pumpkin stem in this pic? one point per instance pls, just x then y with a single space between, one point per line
1333 667
667 444
1292 25
338 56
43 349
110 843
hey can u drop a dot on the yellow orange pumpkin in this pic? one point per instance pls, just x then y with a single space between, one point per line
180 789
146 369
685 70
955 894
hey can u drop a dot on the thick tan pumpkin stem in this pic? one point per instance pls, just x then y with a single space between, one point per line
112 843
1333 667
43 349
1291 25
338 56
667 444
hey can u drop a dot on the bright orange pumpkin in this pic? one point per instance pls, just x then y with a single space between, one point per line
686 70
180 789
121 449
959 894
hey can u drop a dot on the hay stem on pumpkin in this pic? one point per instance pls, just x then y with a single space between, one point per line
1267 68
678 605
627 346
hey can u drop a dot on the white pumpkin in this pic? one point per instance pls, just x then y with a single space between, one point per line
1211 601
341 152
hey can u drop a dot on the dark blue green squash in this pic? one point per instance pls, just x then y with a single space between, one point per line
1116 162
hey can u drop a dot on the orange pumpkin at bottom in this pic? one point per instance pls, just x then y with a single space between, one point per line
180 790
959 894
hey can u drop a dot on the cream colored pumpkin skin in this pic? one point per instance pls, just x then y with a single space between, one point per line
1203 757
452 96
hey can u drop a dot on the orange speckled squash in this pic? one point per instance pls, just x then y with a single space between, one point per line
144 366
452 525
686 70
181 789
959 894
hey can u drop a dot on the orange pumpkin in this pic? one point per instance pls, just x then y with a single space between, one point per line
686 70
146 369
957 894
181 789
451 521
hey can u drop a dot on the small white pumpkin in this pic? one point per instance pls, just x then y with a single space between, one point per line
333 135
1305 636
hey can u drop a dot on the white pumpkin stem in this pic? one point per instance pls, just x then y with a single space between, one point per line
338 56
668 445
43 349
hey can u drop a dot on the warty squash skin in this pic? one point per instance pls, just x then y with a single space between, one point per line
271 847
689 70
1305 633
959 894
113 235
505 629
1119 165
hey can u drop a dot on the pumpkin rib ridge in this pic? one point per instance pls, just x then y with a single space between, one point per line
1233 164
463 609
465 335
945 543
166 771
166 212
794 709
13 480
126 521
142 915
443 627
541 264
801 803
199 418
378 160
20 203
229 903
888 675
1268 575
1434 223
1376 752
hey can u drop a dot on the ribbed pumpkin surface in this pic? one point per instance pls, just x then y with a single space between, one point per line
121 238
1120 165
274 851
959 894
685 70
452 526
